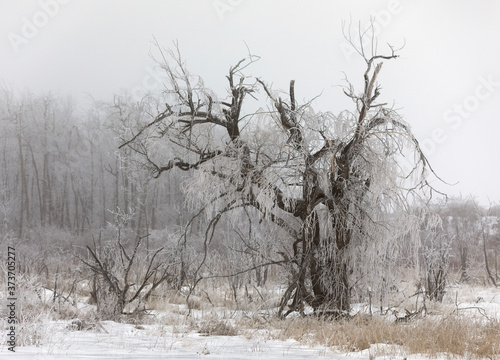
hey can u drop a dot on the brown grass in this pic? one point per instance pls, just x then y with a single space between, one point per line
215 327
456 336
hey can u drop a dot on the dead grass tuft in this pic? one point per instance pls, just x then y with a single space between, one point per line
217 327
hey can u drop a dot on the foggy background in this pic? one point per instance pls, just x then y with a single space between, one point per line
446 83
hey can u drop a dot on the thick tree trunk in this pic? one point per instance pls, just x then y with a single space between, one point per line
328 270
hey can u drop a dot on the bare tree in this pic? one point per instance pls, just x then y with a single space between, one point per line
436 246
337 184
460 221
119 280
488 223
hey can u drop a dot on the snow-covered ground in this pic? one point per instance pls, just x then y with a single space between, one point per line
125 341
112 340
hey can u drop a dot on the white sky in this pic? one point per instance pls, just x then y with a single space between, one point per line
100 47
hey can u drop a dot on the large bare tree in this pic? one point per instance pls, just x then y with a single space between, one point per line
338 185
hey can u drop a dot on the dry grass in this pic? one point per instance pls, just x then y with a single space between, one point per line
217 327
457 336
34 315
438 333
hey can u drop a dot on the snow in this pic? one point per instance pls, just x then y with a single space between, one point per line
112 340
125 341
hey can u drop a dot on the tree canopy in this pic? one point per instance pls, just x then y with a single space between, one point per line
337 185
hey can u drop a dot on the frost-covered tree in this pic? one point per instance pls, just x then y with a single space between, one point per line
461 222
488 223
339 186
436 248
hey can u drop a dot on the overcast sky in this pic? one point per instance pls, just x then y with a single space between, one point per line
446 83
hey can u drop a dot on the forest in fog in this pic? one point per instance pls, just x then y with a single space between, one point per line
61 168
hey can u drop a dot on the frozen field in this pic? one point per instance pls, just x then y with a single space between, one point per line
123 341
112 340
